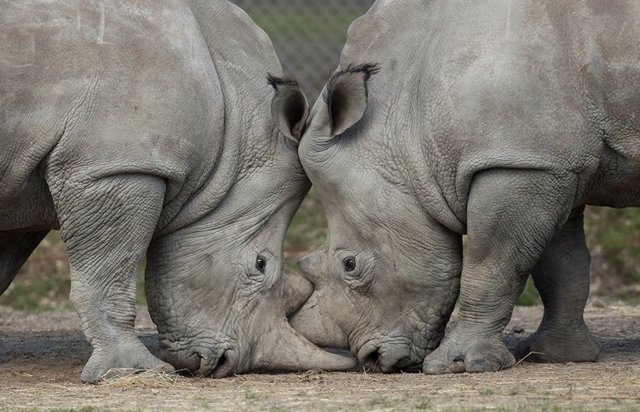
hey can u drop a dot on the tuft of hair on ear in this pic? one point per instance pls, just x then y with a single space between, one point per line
368 69
276 81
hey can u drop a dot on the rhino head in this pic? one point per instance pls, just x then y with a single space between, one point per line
221 299
388 277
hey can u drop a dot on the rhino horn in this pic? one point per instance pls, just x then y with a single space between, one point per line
316 326
282 348
296 291
312 265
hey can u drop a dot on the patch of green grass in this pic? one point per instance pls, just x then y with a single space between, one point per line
530 295
250 395
550 407
308 228
613 236
38 294
379 400
43 282
424 404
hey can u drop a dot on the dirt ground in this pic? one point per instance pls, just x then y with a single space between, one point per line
41 357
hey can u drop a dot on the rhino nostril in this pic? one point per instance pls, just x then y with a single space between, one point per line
225 366
371 361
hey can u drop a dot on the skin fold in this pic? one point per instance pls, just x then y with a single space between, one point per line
150 128
496 119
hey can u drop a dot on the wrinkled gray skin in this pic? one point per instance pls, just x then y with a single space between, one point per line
495 119
149 126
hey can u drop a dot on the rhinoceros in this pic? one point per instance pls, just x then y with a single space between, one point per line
150 127
496 119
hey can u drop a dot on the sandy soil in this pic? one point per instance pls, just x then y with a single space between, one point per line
41 357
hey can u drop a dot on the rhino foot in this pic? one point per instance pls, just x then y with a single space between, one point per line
108 363
468 355
547 346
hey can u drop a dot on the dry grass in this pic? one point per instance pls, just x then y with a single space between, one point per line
42 373
134 378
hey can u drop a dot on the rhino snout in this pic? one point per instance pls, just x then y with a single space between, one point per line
388 357
204 357
218 364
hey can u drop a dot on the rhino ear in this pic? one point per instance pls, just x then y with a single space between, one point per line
289 107
346 96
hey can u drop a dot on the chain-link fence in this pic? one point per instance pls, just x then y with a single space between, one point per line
308 35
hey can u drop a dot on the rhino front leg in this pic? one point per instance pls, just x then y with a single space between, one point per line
107 225
15 248
512 215
562 278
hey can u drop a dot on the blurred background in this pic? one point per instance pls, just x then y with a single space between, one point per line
308 36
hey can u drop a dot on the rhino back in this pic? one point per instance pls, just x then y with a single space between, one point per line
606 46
101 88
480 85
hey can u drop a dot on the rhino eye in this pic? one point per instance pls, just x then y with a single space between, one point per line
349 264
261 263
